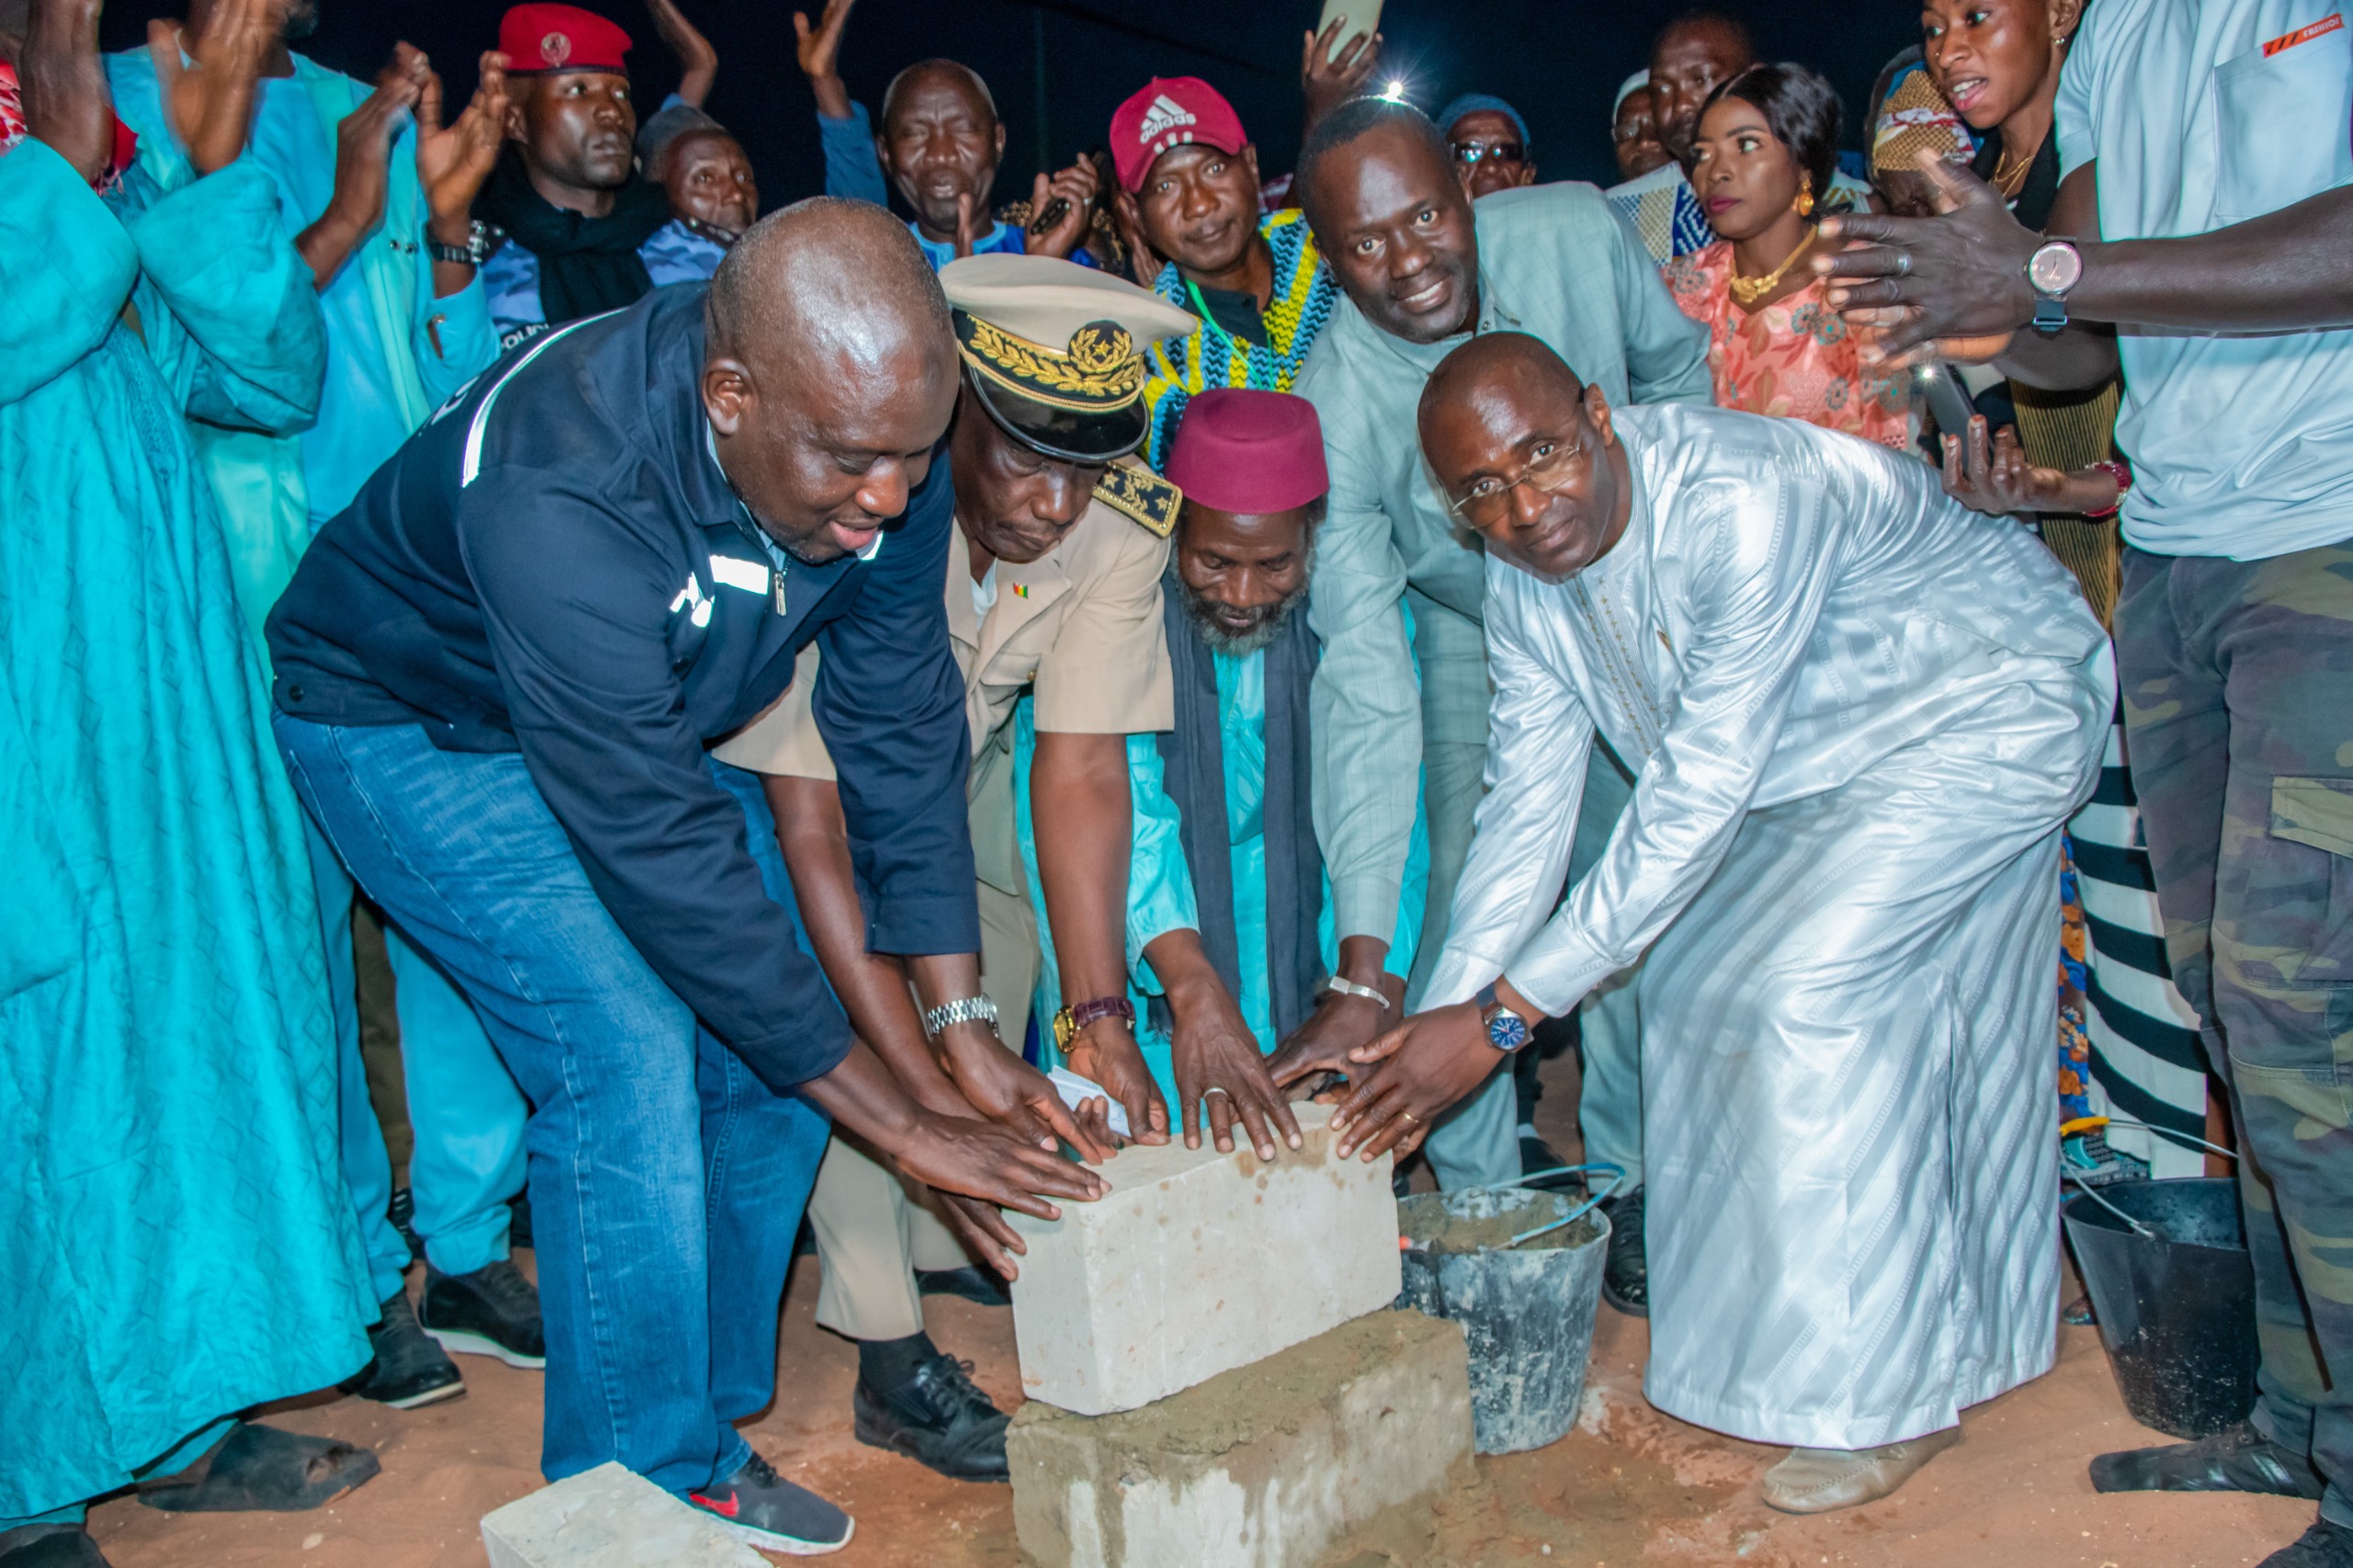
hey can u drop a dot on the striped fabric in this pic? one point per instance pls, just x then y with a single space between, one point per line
2071 431
1295 317
2147 1064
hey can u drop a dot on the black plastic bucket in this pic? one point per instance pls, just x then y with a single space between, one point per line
1528 1310
2176 1309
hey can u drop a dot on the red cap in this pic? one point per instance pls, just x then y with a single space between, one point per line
1239 449
1165 112
539 39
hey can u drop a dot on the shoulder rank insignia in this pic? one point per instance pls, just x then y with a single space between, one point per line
1142 495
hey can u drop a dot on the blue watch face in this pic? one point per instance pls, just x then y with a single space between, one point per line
1507 1031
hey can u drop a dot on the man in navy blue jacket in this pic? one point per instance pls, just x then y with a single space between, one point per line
497 675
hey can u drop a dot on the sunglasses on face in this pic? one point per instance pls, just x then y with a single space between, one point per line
1490 153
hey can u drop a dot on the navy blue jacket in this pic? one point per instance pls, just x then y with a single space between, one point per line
555 564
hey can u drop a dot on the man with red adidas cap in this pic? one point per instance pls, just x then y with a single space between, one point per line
1188 184
1227 895
585 234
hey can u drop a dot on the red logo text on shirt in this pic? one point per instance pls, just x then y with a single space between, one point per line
2334 22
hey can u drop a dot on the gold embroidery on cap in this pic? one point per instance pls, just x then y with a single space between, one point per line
1101 374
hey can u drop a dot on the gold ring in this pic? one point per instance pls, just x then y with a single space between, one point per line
1409 1115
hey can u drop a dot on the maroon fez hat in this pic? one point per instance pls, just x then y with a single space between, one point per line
1238 449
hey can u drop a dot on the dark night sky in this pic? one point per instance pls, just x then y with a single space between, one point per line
1558 60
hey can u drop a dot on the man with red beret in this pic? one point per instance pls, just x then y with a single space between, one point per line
1227 890
585 233
1188 185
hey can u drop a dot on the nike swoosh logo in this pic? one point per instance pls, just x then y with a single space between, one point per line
727 1509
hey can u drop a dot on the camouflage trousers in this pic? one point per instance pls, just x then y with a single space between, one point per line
2237 679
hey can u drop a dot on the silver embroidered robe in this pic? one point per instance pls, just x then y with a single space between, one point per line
1861 715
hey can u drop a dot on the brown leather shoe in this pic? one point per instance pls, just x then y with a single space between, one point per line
1820 1481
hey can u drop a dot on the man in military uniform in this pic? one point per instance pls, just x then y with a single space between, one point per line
1053 599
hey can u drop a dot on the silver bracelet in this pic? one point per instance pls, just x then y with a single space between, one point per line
1347 987
963 1010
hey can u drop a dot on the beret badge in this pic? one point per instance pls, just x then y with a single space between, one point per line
1098 370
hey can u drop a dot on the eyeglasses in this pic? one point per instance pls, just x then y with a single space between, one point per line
1490 153
1489 502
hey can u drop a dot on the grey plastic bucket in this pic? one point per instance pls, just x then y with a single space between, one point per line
1528 1310
2177 1306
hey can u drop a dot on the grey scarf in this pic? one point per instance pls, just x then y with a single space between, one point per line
1194 759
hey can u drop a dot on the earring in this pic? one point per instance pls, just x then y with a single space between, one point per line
1805 196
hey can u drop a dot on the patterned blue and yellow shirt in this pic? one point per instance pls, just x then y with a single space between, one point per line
1212 357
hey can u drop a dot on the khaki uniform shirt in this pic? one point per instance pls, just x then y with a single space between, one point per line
1082 624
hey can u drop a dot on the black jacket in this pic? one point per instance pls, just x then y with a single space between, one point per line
556 566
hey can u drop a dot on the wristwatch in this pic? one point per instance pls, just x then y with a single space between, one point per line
1070 1020
1506 1030
481 240
2055 267
1346 987
963 1010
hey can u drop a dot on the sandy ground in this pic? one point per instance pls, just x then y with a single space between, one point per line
1629 1486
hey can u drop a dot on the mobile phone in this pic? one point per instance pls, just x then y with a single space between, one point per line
1361 16
1948 401
1053 213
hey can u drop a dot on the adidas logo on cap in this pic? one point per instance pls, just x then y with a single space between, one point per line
1164 115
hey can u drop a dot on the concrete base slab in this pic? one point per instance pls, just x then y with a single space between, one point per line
1196 1262
1266 1466
610 1518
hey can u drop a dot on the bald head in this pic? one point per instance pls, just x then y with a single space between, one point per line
1526 454
830 282
1512 364
829 373
951 76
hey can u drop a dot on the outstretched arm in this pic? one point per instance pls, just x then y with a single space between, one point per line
698 62
1962 274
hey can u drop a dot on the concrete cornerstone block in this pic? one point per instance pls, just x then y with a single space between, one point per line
1262 1467
608 1517
1198 1261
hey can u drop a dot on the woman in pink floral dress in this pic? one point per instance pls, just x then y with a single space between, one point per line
1765 150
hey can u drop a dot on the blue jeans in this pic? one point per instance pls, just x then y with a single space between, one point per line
464 1106
666 1181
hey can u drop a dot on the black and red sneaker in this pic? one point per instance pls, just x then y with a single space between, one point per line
761 1509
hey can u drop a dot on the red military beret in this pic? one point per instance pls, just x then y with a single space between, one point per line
539 39
1249 452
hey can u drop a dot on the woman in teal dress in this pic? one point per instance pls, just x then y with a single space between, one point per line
175 1244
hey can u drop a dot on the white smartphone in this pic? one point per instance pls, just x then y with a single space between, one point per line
1361 16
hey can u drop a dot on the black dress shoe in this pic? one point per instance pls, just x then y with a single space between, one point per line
937 1418
409 1369
1625 1274
973 1284
492 1311
2323 1546
50 1546
1535 1154
2239 1459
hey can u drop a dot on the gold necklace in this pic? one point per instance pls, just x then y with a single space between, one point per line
1748 290
2009 176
